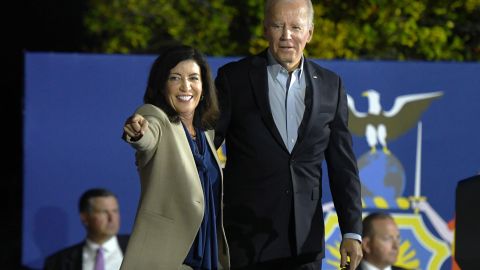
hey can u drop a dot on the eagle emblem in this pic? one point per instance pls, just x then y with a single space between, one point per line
380 126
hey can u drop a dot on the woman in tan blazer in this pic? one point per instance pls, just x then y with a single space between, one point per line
178 224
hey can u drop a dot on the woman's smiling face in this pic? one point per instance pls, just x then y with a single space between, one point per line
184 88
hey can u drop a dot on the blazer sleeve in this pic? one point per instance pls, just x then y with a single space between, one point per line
147 145
342 170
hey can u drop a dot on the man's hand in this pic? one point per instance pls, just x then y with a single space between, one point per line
353 249
135 127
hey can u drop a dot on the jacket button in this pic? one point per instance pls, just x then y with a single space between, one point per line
287 191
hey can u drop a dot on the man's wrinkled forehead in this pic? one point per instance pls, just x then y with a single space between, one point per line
299 14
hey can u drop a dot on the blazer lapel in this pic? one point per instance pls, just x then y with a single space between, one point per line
259 81
311 103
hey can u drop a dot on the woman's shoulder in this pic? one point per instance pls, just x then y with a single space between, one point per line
152 110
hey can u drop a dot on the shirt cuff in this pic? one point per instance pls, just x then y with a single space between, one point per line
353 236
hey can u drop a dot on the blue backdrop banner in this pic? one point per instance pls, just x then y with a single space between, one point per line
415 128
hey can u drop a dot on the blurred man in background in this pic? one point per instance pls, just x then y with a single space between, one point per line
102 249
381 242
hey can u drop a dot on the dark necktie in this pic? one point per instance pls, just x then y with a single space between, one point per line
99 260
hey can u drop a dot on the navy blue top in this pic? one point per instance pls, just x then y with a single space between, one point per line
203 254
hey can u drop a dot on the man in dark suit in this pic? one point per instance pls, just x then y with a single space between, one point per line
100 216
281 117
467 223
381 242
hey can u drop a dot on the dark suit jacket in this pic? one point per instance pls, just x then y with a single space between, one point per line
393 268
70 258
272 197
467 223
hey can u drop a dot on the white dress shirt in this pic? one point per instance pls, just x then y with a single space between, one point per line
112 254
368 266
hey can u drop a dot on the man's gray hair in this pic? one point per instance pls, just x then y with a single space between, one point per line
269 4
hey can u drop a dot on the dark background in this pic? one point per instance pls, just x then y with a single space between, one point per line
47 25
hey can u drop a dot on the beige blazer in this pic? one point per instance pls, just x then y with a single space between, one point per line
171 205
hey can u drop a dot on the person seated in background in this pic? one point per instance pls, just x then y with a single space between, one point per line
381 242
102 248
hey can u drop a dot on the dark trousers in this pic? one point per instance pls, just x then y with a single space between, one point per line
302 262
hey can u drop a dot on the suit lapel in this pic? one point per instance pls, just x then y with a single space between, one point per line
123 242
311 103
75 259
209 135
259 81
